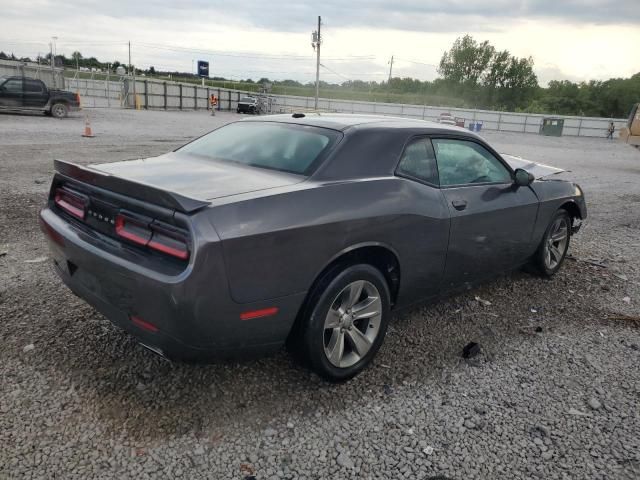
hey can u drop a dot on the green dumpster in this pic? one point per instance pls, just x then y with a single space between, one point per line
552 126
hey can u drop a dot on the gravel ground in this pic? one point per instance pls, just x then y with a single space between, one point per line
555 392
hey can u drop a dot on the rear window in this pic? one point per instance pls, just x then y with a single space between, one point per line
275 146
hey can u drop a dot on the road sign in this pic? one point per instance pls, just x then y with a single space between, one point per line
203 69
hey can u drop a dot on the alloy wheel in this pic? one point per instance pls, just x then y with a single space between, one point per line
556 244
352 324
58 111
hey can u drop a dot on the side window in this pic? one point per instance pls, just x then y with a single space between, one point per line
31 86
462 162
13 86
419 161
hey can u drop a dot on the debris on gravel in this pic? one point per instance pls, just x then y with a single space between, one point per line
471 349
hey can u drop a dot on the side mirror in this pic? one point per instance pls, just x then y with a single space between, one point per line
523 178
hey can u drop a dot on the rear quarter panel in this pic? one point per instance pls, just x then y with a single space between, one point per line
275 246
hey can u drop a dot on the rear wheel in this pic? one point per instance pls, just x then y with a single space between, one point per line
555 243
59 110
345 322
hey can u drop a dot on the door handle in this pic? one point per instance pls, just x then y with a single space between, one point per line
459 204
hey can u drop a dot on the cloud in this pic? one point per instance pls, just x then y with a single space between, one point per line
300 15
252 38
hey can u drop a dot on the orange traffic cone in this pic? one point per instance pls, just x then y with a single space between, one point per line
87 128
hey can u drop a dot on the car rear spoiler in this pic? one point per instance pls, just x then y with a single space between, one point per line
137 190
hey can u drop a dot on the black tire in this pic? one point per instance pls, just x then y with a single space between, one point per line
541 258
237 110
59 110
310 336
252 110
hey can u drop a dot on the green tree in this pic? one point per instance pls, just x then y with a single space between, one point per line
466 61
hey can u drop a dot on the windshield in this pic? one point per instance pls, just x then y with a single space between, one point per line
276 146
247 100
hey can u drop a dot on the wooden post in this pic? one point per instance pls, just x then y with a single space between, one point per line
219 100
208 97
180 85
195 97
146 95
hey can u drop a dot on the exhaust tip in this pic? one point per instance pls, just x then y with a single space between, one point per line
155 350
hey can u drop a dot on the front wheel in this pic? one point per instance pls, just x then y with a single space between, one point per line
345 322
59 110
555 243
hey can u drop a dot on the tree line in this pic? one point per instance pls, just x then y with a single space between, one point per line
472 74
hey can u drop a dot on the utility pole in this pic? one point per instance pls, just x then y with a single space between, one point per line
316 40
133 74
390 70
52 62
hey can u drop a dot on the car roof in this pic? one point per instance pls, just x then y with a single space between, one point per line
344 121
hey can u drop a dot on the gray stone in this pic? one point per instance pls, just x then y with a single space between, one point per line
345 461
594 404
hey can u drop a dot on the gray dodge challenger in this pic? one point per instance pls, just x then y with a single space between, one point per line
304 230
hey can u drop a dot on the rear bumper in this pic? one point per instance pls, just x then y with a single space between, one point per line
190 316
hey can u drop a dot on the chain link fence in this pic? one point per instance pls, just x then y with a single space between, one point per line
157 94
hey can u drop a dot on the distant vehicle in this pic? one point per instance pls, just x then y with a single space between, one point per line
446 119
32 95
630 133
248 105
308 229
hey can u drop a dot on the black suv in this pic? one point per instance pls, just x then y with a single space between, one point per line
31 94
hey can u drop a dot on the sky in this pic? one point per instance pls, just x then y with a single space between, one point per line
568 39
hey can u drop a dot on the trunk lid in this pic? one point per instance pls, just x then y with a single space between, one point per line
195 177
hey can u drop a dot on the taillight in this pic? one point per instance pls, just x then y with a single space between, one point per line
132 229
171 245
154 235
72 203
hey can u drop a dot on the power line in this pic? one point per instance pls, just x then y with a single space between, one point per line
334 72
258 55
416 62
